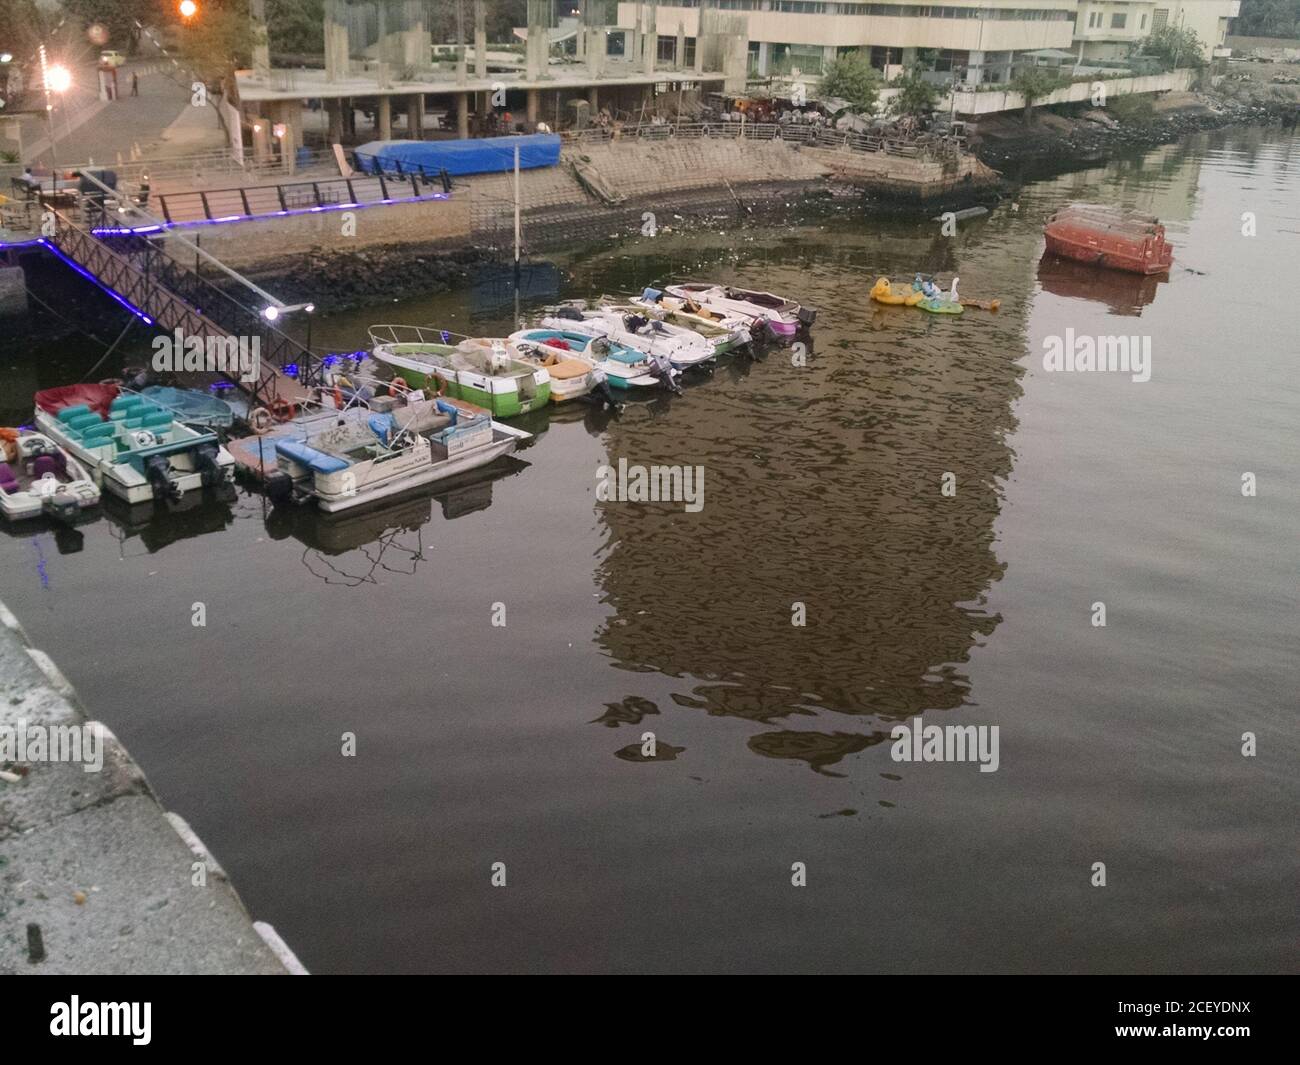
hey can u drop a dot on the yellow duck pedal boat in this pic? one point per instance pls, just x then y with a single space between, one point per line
883 292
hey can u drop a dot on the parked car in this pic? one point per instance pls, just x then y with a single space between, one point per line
111 59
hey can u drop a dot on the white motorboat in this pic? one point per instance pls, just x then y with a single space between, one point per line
39 477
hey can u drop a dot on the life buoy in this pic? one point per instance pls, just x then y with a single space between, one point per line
282 410
398 386
260 420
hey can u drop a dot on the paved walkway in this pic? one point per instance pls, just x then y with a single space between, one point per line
161 120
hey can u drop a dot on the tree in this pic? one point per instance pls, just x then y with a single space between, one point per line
1268 18
916 95
119 17
1033 83
296 27
217 42
1175 47
852 77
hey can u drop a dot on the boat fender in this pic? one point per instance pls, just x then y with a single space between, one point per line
260 420
282 410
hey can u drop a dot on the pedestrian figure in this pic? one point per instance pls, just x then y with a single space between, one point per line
135 84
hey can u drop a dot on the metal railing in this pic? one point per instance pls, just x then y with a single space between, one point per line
812 135
172 296
253 201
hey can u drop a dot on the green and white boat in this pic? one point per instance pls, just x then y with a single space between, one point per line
477 371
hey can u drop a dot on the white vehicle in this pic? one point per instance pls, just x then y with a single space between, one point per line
111 59
39 477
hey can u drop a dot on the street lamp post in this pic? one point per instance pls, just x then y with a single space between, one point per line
56 79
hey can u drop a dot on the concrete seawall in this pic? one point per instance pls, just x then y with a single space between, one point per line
95 876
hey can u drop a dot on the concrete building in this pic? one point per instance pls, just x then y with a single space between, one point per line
1112 29
973 41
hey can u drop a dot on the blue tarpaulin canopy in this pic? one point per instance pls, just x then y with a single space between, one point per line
483 155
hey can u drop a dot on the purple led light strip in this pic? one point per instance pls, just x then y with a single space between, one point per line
129 231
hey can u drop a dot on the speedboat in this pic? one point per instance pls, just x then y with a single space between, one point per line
683 348
362 460
783 318
39 477
727 332
476 370
136 449
623 367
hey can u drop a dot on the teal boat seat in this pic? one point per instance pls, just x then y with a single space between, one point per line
80 422
68 413
314 460
100 433
626 355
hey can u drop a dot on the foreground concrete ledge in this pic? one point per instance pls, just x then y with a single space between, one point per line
95 877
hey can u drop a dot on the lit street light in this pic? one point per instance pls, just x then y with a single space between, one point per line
188 9
58 78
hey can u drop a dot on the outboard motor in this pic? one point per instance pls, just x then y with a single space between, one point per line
205 459
635 322
60 507
157 469
807 315
572 313
663 371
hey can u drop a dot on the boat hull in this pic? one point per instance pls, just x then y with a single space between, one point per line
505 444
500 396
1069 247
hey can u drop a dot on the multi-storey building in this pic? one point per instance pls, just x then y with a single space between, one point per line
974 40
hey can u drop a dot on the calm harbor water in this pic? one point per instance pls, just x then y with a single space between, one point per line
479 744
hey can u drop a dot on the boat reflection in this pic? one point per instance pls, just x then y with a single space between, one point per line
1123 293
386 538
159 524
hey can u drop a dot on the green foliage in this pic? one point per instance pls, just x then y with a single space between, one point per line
853 78
1033 83
296 26
917 96
1268 18
1131 110
1175 47
218 40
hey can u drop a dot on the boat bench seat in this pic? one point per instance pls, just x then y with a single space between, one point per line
564 369
304 455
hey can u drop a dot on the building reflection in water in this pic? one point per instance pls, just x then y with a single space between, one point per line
822 487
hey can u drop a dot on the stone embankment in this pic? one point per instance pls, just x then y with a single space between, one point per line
95 876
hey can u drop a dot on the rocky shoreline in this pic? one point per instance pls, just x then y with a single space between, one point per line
1079 140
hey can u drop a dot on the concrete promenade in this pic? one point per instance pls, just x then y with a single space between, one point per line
95 877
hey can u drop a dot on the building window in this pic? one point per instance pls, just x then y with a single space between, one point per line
1159 19
1094 20
1144 22
1118 22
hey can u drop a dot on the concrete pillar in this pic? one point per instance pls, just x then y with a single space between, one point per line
462 114
385 118
593 98
336 41
415 116
534 96
596 51
417 44
261 138
649 39
334 109
764 56
538 51
480 40
261 45
974 71
679 53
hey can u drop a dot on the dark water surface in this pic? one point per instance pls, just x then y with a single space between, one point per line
480 744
